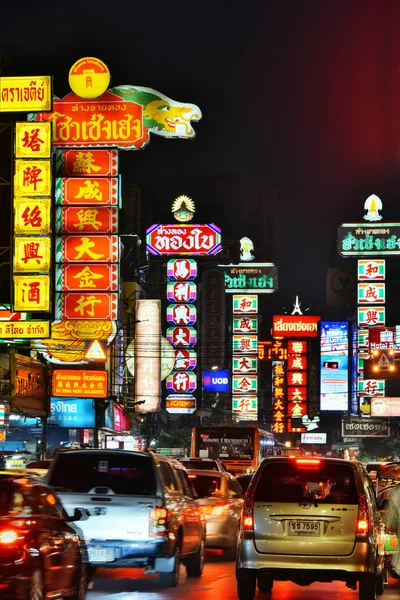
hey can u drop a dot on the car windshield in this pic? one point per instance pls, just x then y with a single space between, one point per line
119 472
206 485
325 483
207 465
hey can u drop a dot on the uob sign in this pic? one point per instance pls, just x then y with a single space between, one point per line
216 381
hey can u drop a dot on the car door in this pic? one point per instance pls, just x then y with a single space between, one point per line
193 517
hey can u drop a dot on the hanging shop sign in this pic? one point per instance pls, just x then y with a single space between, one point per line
183 337
385 407
89 77
87 249
194 240
244 364
359 427
371 270
244 344
86 305
32 292
245 325
295 378
216 381
361 239
313 438
181 291
123 118
371 387
244 384
371 293
21 330
74 413
32 254
381 338
96 276
86 219
32 178
23 94
245 406
181 269
247 304
279 400
96 163
334 360
255 277
185 382
181 314
180 404
87 191
185 359
80 383
148 355
296 362
32 215
32 140
295 326
371 315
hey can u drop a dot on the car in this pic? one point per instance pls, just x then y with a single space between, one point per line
244 481
18 460
38 467
391 540
142 507
307 520
42 552
209 464
221 501
372 469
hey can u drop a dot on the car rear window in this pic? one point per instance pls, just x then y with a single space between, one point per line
206 485
325 483
121 473
206 465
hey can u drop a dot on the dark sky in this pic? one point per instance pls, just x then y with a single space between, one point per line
302 93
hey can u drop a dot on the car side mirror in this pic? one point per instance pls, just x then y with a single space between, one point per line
80 514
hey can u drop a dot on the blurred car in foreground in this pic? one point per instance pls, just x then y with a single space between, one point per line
38 467
221 501
244 481
42 554
391 541
208 464
142 507
308 520
18 460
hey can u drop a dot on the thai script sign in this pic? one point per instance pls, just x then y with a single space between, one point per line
24 329
255 277
181 291
371 293
180 404
88 219
371 315
181 269
74 413
23 94
32 215
295 326
185 382
247 304
74 278
313 438
123 117
148 356
194 240
87 248
96 163
87 191
360 239
181 314
371 269
359 427
32 140
86 305
80 383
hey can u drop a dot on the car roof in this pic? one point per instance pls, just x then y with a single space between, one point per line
209 473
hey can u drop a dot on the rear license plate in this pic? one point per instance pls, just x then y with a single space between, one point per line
304 528
101 554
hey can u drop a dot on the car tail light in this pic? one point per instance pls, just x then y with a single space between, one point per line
248 512
215 510
8 536
308 463
158 521
363 515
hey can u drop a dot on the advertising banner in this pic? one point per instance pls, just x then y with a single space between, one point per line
295 326
362 239
180 404
86 219
99 163
74 413
148 356
181 238
216 381
365 427
66 383
260 278
385 407
246 406
334 365
24 330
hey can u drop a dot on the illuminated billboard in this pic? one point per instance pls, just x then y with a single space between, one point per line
334 365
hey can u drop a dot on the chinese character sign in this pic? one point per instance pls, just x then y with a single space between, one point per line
32 140
296 380
148 356
279 408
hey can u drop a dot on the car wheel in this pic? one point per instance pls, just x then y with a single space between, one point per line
367 590
195 564
81 586
246 584
36 587
172 579
265 584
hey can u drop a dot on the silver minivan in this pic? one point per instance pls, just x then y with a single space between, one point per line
142 508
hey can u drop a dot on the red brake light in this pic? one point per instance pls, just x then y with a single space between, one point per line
247 514
308 462
8 536
363 515
192 476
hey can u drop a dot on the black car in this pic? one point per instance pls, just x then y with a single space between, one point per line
42 554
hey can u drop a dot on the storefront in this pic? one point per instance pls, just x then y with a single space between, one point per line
116 430
71 420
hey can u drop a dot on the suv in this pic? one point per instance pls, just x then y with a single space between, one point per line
142 508
307 520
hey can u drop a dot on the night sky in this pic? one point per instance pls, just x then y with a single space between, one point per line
303 94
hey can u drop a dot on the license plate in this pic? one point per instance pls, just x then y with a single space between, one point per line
304 528
101 554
